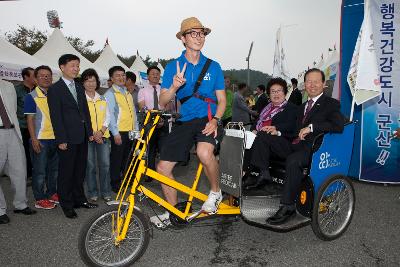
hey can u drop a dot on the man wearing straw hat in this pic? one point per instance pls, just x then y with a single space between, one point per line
198 83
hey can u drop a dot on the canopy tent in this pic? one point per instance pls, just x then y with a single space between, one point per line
108 59
58 45
13 60
138 65
140 69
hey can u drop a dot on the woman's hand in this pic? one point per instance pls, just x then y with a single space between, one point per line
270 129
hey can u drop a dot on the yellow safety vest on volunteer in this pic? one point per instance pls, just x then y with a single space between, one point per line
43 126
98 109
125 119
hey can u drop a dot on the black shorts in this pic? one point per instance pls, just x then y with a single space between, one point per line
183 136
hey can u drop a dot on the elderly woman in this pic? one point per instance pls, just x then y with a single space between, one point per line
277 120
99 148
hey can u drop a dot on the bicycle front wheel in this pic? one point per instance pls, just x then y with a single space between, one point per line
97 246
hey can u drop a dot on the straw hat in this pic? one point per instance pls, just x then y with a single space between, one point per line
191 23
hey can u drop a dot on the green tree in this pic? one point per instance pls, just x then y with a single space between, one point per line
28 40
84 47
31 40
164 62
240 76
128 61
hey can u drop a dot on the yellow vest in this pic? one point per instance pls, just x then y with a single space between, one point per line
44 128
125 110
97 111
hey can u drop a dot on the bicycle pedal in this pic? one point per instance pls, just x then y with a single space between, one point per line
210 213
161 226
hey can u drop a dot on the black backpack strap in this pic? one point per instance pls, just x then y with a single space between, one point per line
198 82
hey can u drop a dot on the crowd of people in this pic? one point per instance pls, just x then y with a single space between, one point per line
67 134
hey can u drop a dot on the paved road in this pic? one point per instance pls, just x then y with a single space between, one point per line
49 239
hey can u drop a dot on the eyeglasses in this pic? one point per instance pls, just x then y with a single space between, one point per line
194 34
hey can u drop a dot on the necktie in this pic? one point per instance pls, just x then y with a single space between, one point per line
155 97
309 106
72 89
3 115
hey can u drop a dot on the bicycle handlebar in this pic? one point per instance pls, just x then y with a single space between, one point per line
167 114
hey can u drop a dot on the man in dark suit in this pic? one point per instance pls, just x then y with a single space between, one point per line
262 99
72 127
319 114
295 96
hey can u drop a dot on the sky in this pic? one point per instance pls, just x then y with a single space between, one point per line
310 27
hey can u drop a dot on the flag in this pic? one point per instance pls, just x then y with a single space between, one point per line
279 66
363 76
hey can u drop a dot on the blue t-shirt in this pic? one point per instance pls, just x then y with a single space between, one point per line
213 80
30 109
29 105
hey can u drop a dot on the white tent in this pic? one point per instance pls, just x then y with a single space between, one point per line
58 45
140 69
138 65
13 60
108 59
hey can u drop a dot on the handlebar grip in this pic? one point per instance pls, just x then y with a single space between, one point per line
171 115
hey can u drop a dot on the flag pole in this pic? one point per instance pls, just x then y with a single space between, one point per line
353 103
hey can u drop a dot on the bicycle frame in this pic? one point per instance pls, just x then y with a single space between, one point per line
137 168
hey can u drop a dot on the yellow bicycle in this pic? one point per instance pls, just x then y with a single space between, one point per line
119 234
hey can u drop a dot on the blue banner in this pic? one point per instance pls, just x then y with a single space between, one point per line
379 153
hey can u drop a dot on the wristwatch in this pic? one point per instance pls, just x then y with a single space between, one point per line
219 121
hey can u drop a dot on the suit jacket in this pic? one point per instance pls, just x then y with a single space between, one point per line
70 120
325 117
296 97
9 96
261 103
285 121
240 111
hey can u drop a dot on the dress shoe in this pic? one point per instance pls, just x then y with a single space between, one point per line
262 180
258 185
282 215
250 181
86 205
70 213
26 211
4 219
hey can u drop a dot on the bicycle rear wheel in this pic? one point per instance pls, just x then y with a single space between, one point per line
97 239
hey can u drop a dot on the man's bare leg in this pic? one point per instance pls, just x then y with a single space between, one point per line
205 152
165 168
